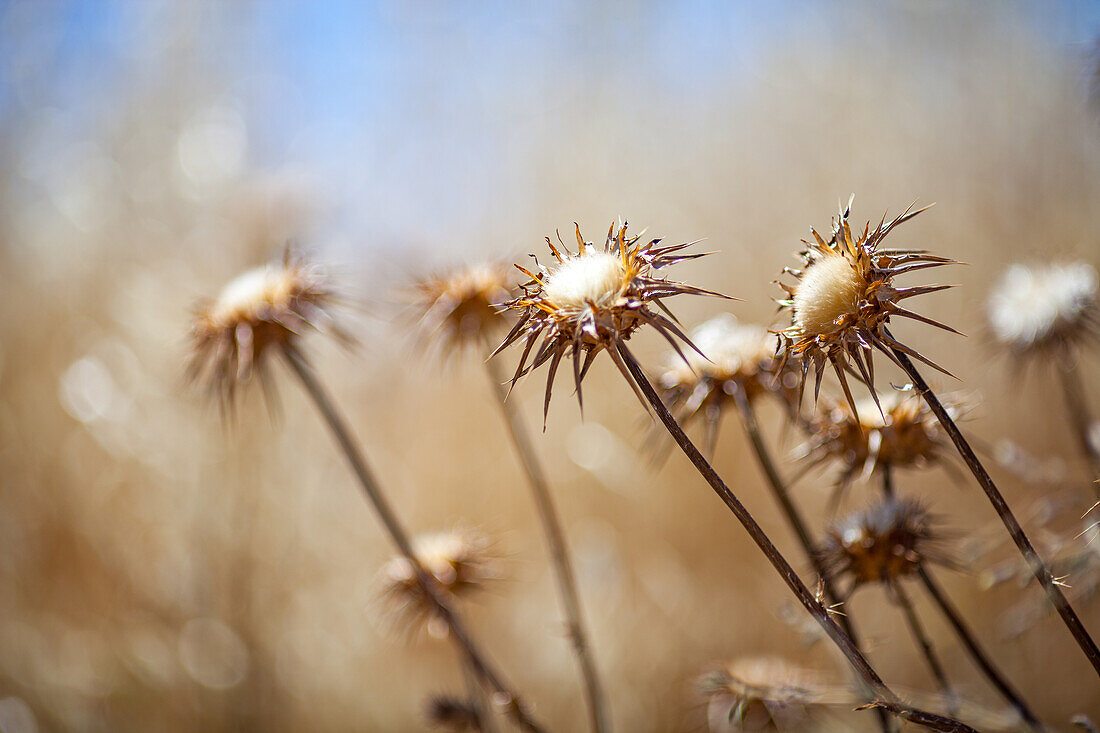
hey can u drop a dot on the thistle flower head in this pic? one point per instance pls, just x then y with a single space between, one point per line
462 561
886 541
263 311
844 296
463 307
445 712
738 357
593 300
765 693
1043 308
898 431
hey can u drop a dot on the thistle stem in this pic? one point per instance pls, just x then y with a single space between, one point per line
792 515
479 663
886 699
1038 567
924 643
559 551
981 659
1079 417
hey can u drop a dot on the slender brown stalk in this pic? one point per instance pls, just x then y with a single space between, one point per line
793 517
924 643
885 698
1077 407
478 700
479 663
559 551
966 636
1038 567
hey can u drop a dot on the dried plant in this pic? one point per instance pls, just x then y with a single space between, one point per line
594 300
767 693
899 431
464 308
444 712
1050 312
262 313
840 310
462 561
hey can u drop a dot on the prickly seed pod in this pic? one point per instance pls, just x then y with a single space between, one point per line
262 312
593 300
882 543
761 694
462 561
844 296
899 431
733 357
1037 309
463 307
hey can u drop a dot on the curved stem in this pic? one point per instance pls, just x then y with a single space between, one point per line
559 551
793 516
1038 567
1079 417
886 699
924 643
966 636
479 664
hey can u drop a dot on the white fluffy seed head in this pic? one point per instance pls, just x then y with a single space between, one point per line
829 288
1032 305
728 344
595 276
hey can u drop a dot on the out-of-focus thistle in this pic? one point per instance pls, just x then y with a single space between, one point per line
462 561
464 309
267 312
899 431
840 308
733 357
594 300
1051 312
453 714
844 296
767 694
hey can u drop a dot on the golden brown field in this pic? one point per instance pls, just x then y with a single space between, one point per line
163 569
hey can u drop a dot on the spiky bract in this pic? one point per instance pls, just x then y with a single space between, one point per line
593 300
463 307
261 312
766 693
886 541
462 561
1037 309
844 297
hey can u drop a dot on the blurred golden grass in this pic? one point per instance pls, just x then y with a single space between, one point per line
130 520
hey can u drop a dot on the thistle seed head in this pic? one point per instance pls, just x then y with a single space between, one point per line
765 693
463 307
844 296
263 311
886 541
1045 308
462 561
593 300
734 357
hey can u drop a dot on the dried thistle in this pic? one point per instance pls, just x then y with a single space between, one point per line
263 311
463 308
844 297
462 561
899 431
452 714
738 357
888 540
594 299
766 693
1044 309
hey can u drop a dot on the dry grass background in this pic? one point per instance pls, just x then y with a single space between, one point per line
161 572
